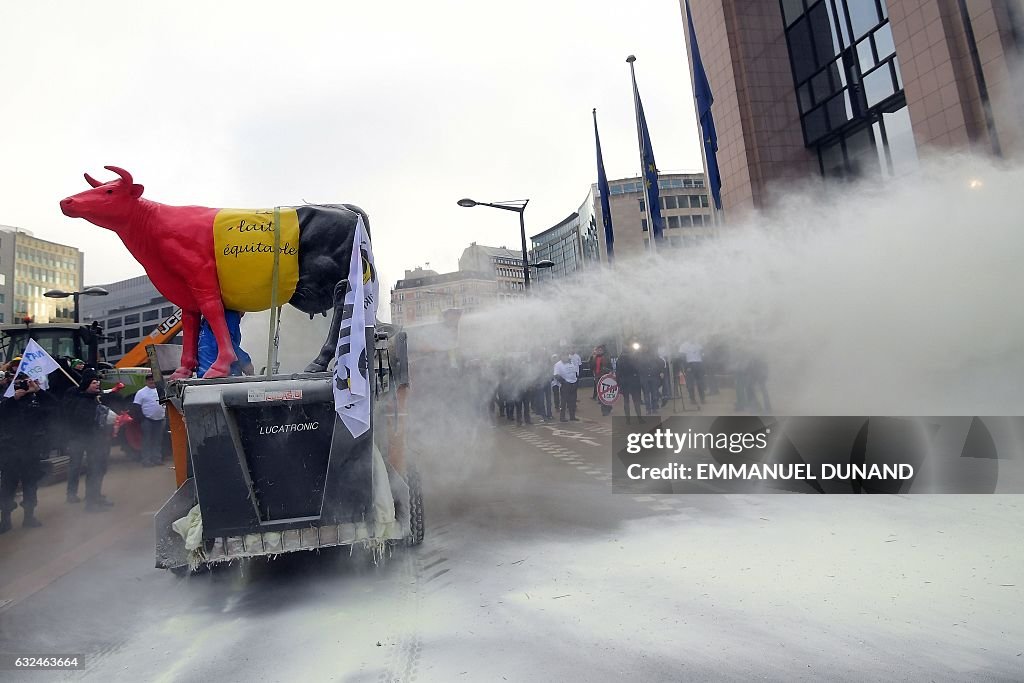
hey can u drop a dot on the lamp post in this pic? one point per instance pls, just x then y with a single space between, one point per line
88 291
519 206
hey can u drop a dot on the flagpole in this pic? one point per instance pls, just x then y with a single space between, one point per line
640 142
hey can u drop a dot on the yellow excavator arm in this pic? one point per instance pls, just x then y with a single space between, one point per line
164 332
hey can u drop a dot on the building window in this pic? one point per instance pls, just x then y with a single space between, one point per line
1 317
2 298
151 315
643 206
166 311
844 67
146 329
643 226
131 333
132 319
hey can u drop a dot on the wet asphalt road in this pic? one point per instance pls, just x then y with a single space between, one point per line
533 570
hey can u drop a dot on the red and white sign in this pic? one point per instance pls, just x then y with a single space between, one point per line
607 389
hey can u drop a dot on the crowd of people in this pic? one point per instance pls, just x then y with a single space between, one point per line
76 420
528 387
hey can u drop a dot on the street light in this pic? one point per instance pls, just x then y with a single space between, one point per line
88 291
519 206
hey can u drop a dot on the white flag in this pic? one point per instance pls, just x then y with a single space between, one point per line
351 371
37 364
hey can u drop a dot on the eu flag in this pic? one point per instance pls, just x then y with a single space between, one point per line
702 94
602 188
650 170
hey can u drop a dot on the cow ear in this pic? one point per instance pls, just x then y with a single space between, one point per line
137 190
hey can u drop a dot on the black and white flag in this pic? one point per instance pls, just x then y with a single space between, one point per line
351 371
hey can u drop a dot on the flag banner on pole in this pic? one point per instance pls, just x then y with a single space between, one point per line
37 364
702 94
351 370
602 188
655 222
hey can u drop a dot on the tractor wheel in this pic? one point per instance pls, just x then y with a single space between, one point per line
416 527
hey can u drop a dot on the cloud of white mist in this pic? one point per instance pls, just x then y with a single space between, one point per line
863 299
898 300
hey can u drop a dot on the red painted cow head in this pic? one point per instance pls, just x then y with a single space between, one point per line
108 205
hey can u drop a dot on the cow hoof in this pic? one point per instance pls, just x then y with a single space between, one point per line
180 373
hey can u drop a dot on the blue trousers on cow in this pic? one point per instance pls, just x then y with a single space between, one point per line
207 353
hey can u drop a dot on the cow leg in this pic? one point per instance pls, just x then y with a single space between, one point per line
213 311
190 332
330 346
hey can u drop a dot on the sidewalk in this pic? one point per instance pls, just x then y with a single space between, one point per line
31 559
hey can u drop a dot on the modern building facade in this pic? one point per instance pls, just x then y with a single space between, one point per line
572 245
854 88
29 267
422 296
684 204
505 264
131 310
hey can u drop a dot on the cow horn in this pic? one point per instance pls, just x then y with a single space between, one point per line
92 181
125 175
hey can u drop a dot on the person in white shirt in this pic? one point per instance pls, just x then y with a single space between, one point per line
575 359
567 374
693 356
152 425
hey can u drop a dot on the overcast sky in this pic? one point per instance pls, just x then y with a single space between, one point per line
399 107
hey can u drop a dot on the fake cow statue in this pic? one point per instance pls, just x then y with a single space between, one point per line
205 260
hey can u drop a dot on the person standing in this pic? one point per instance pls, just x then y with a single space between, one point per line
87 447
23 419
555 386
650 379
567 374
693 356
522 390
598 364
148 400
627 374
541 386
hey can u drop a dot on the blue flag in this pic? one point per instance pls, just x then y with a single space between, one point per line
702 94
650 171
602 188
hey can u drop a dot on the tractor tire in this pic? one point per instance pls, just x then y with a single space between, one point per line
416 526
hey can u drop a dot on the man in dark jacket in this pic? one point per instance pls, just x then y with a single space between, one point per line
627 374
23 419
87 443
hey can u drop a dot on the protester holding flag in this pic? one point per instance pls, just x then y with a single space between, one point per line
23 418
37 364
